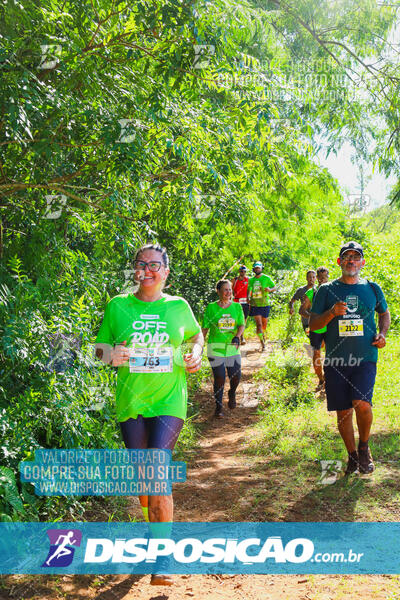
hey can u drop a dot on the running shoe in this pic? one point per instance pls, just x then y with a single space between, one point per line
365 460
232 399
160 579
161 576
218 412
352 463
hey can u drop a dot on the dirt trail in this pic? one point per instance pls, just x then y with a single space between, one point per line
216 480
217 476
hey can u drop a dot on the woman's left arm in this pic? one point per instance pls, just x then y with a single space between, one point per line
237 336
240 330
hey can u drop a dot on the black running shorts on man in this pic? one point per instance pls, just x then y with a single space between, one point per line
343 385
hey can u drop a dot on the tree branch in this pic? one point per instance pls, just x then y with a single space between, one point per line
10 188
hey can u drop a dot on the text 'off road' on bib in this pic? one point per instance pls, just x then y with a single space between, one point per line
351 327
151 360
242 300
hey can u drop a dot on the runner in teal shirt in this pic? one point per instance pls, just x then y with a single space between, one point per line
349 336
347 307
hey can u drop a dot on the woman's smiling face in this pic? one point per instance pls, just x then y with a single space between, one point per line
147 277
225 292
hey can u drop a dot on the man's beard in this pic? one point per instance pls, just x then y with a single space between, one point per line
352 273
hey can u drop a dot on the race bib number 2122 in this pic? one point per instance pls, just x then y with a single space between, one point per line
351 327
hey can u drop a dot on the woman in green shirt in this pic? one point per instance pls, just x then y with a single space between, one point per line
225 321
141 334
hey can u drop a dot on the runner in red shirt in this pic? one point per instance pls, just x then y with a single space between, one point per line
239 290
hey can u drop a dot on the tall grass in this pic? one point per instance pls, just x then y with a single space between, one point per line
295 432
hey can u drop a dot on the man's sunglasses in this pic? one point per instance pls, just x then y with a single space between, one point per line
355 257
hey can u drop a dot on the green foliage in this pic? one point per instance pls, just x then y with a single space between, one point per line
188 437
11 504
379 232
288 373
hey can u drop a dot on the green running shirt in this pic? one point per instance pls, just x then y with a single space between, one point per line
310 295
223 324
256 285
150 328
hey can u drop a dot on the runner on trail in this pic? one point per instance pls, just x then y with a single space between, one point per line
316 337
225 321
258 297
347 306
299 295
141 334
239 289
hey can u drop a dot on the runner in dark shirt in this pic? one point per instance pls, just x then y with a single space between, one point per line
311 276
316 337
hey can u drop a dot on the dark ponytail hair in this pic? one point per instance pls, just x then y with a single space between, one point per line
158 248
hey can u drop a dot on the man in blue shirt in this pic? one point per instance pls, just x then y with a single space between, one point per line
347 306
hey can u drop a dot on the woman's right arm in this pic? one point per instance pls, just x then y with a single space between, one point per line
115 357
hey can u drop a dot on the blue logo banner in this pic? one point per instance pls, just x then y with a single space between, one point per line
246 548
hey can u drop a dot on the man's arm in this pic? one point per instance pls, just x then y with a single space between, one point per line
320 321
293 299
249 294
271 286
305 306
383 326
